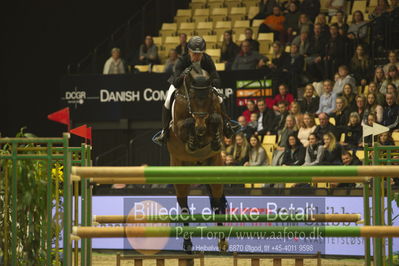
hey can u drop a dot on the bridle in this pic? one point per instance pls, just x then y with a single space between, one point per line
187 96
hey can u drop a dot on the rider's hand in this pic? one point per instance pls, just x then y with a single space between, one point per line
186 71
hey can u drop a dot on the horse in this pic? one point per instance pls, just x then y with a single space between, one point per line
195 139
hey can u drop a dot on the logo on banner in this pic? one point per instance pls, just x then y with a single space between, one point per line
77 96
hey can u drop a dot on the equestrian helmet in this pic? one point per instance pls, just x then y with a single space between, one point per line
196 44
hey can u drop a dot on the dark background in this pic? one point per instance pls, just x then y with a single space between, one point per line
41 38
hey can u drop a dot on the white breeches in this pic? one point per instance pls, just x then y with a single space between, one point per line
170 92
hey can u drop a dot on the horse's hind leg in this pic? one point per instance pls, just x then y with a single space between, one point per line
182 198
219 204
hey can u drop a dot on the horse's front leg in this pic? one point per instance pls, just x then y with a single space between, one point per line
219 204
215 122
182 198
187 133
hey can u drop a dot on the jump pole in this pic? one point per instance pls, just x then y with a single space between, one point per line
234 231
226 218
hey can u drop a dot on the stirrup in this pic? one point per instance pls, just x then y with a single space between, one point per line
161 137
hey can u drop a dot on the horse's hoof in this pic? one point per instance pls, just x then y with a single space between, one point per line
188 246
223 245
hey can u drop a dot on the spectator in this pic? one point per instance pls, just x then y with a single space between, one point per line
228 145
182 48
373 107
344 78
324 126
265 8
357 30
248 59
335 52
316 54
393 60
289 128
385 139
314 151
273 23
241 149
242 121
251 108
281 115
303 42
248 37
115 64
307 127
381 8
295 110
252 126
291 20
379 76
304 24
171 61
353 132
349 95
266 120
347 159
280 58
294 154
368 140
393 77
360 106
310 102
340 20
360 65
283 95
257 154
372 88
230 161
327 99
391 88
295 66
322 21
391 112
334 6
310 7
148 52
229 50
332 150
341 115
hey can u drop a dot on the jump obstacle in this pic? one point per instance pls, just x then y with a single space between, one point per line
373 175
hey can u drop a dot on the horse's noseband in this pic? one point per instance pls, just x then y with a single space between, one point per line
200 114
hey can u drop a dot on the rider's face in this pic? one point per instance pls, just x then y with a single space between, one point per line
195 57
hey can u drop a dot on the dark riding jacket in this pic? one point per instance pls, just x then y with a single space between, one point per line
184 62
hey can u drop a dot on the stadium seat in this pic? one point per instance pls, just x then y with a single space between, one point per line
158 68
187 28
250 3
215 3
239 26
171 42
252 11
269 139
332 121
201 14
158 41
142 68
323 6
220 66
359 5
255 24
211 41
265 42
183 15
269 148
218 14
168 29
221 27
360 154
395 136
373 3
220 38
198 4
215 54
232 3
238 13
204 28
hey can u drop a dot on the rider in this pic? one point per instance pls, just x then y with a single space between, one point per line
196 58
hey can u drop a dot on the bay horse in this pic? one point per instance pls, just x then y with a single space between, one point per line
195 139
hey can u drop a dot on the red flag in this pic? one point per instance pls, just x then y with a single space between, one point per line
88 135
61 116
80 131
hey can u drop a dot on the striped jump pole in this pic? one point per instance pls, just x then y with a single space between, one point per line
226 218
237 231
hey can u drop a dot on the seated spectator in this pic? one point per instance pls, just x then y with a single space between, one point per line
252 126
283 95
335 53
360 65
347 159
393 60
379 76
294 154
307 127
353 132
289 128
334 6
310 7
360 106
251 108
148 52
391 88
341 20
242 121
303 43
341 115
228 145
372 88
257 154
265 8
385 139
266 120
291 20
182 49
381 8
295 66
310 102
343 79
373 107
115 64
314 151
230 161
327 99
248 37
391 112
229 50
357 30
281 115
273 23
322 21
316 53
349 95
280 58
332 150
295 110
368 140
324 126
393 77
171 61
241 149
247 59
305 24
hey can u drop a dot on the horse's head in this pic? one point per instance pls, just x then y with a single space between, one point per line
200 89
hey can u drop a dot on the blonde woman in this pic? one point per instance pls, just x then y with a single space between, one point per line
295 110
241 149
307 127
257 154
332 150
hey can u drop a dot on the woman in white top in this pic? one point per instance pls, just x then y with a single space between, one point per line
257 154
307 127
115 64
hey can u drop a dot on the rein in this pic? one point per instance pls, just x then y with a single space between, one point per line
187 96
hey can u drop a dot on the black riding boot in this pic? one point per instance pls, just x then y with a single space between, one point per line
166 118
